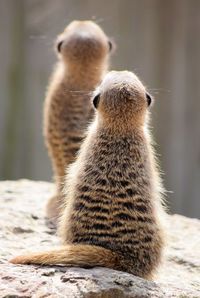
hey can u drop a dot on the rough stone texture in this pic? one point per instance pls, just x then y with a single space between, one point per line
23 228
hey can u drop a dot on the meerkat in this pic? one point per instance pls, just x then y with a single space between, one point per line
83 50
113 188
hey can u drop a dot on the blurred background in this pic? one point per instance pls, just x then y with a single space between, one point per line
159 40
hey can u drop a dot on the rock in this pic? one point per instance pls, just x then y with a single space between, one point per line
23 228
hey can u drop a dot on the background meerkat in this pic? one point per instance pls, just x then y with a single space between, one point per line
83 51
113 188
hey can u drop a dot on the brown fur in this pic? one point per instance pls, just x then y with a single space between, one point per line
113 188
83 49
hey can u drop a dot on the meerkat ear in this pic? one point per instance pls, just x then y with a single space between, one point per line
96 100
149 99
111 45
59 45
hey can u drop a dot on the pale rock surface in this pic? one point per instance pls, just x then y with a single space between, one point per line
23 228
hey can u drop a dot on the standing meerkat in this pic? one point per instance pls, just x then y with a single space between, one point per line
83 50
113 188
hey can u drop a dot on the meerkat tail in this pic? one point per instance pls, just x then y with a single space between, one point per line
72 255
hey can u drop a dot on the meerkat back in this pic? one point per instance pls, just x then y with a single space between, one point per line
115 190
83 51
113 194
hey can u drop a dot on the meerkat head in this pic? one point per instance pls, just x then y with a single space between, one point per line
83 42
122 100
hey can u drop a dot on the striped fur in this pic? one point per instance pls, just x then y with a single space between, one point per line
67 109
113 189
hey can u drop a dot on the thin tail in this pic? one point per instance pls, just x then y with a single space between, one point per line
73 255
